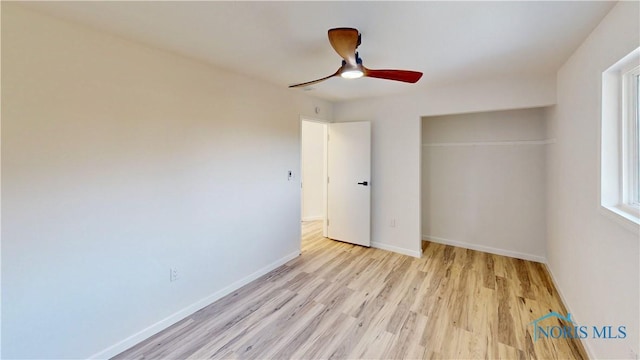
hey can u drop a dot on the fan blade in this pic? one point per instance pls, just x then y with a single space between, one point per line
316 81
344 42
397 75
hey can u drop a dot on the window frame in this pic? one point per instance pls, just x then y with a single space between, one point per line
618 139
629 197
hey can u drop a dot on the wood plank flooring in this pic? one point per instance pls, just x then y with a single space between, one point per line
339 301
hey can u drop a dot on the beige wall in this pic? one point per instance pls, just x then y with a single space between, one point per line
483 181
120 161
397 146
595 260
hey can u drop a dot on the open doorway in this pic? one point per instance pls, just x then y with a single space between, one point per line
313 178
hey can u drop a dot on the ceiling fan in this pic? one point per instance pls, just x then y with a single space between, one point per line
345 41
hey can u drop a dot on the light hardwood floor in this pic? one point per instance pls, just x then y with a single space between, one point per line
342 301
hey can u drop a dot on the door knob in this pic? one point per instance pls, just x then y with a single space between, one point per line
364 183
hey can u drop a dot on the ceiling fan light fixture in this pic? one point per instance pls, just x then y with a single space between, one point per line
352 73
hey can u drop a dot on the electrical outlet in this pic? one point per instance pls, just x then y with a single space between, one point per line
173 274
392 223
633 354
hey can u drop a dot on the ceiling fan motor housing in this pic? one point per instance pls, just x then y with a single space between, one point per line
358 60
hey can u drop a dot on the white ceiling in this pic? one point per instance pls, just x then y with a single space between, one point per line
286 42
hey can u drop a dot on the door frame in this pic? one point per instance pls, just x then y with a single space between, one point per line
324 122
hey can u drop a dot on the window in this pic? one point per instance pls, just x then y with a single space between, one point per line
620 141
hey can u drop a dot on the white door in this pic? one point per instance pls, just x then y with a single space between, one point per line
349 172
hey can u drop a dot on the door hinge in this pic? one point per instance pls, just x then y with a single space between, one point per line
328 137
328 180
327 222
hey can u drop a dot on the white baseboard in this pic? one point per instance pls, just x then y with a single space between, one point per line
136 338
586 345
489 249
396 249
312 218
